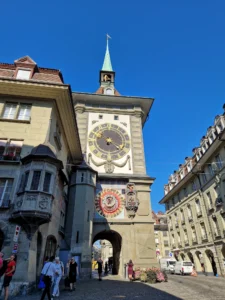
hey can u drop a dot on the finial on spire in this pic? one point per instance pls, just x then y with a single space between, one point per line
107 65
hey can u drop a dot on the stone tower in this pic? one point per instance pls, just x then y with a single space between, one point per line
110 129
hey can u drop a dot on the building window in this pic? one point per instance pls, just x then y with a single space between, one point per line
23 74
193 186
219 162
185 236
24 181
2 147
194 237
166 243
216 227
100 117
185 192
198 206
203 231
35 180
47 182
9 111
77 237
82 177
204 178
88 216
116 118
62 219
211 171
24 112
50 248
189 212
209 199
182 215
164 233
5 191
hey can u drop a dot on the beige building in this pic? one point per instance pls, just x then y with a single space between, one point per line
161 235
195 203
38 133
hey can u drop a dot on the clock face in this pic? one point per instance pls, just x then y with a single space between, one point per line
109 141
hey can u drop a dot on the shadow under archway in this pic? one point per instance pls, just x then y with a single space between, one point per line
116 240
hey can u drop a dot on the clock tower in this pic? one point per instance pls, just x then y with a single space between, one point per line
110 129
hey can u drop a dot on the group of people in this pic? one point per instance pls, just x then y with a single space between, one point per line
51 274
7 269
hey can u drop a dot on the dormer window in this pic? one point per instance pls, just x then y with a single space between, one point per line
23 74
182 174
189 167
204 148
219 127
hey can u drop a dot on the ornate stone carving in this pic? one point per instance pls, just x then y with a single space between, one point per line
43 204
31 198
109 164
131 200
19 203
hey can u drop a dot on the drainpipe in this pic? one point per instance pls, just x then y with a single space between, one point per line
210 225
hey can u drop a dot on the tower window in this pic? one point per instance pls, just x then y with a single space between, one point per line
100 117
77 237
116 118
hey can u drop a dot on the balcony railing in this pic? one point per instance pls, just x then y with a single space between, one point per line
9 157
5 204
199 213
204 237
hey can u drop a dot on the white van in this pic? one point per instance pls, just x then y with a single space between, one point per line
183 267
167 264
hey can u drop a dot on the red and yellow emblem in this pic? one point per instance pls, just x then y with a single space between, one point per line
109 203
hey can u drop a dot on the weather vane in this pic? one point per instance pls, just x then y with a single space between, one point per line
108 36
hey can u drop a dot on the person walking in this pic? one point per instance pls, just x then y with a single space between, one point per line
130 270
100 263
41 284
73 274
48 272
11 267
59 272
106 268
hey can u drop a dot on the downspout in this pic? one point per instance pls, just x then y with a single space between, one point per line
210 225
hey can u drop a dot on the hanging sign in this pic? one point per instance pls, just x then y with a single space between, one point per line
16 234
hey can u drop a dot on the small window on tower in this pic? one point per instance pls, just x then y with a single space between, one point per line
116 118
100 117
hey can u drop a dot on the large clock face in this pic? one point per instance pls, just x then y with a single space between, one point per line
109 141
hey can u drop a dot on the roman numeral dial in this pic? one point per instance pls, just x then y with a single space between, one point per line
109 140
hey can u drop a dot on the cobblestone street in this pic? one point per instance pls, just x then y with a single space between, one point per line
112 288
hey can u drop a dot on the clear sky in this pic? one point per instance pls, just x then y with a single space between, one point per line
171 50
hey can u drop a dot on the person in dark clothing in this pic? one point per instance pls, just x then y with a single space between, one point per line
73 274
106 268
100 263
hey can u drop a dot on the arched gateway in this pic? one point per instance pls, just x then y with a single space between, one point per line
109 193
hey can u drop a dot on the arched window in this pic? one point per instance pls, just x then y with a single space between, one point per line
1 239
51 246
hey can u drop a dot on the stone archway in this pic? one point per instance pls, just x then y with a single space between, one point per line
116 240
210 262
190 256
199 262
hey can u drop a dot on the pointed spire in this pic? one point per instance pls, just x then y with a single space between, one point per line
107 66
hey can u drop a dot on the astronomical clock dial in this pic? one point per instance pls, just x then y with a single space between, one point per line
109 203
109 141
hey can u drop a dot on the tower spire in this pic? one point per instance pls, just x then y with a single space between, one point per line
107 65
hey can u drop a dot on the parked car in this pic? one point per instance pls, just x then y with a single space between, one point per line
167 264
183 267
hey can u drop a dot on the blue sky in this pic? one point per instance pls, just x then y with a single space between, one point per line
171 50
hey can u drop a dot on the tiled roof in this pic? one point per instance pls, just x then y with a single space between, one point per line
38 74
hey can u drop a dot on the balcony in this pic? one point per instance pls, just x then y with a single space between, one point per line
194 240
61 230
199 213
190 218
204 237
9 158
6 204
32 209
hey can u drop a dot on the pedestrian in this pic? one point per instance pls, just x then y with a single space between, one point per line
41 284
11 267
130 270
194 273
99 263
73 274
48 272
106 268
59 272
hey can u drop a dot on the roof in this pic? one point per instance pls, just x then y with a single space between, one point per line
107 65
43 150
37 73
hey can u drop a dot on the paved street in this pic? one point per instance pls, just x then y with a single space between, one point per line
178 287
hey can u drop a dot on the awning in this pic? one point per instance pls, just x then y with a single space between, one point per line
17 144
3 143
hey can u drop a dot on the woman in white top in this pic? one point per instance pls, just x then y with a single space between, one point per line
59 272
